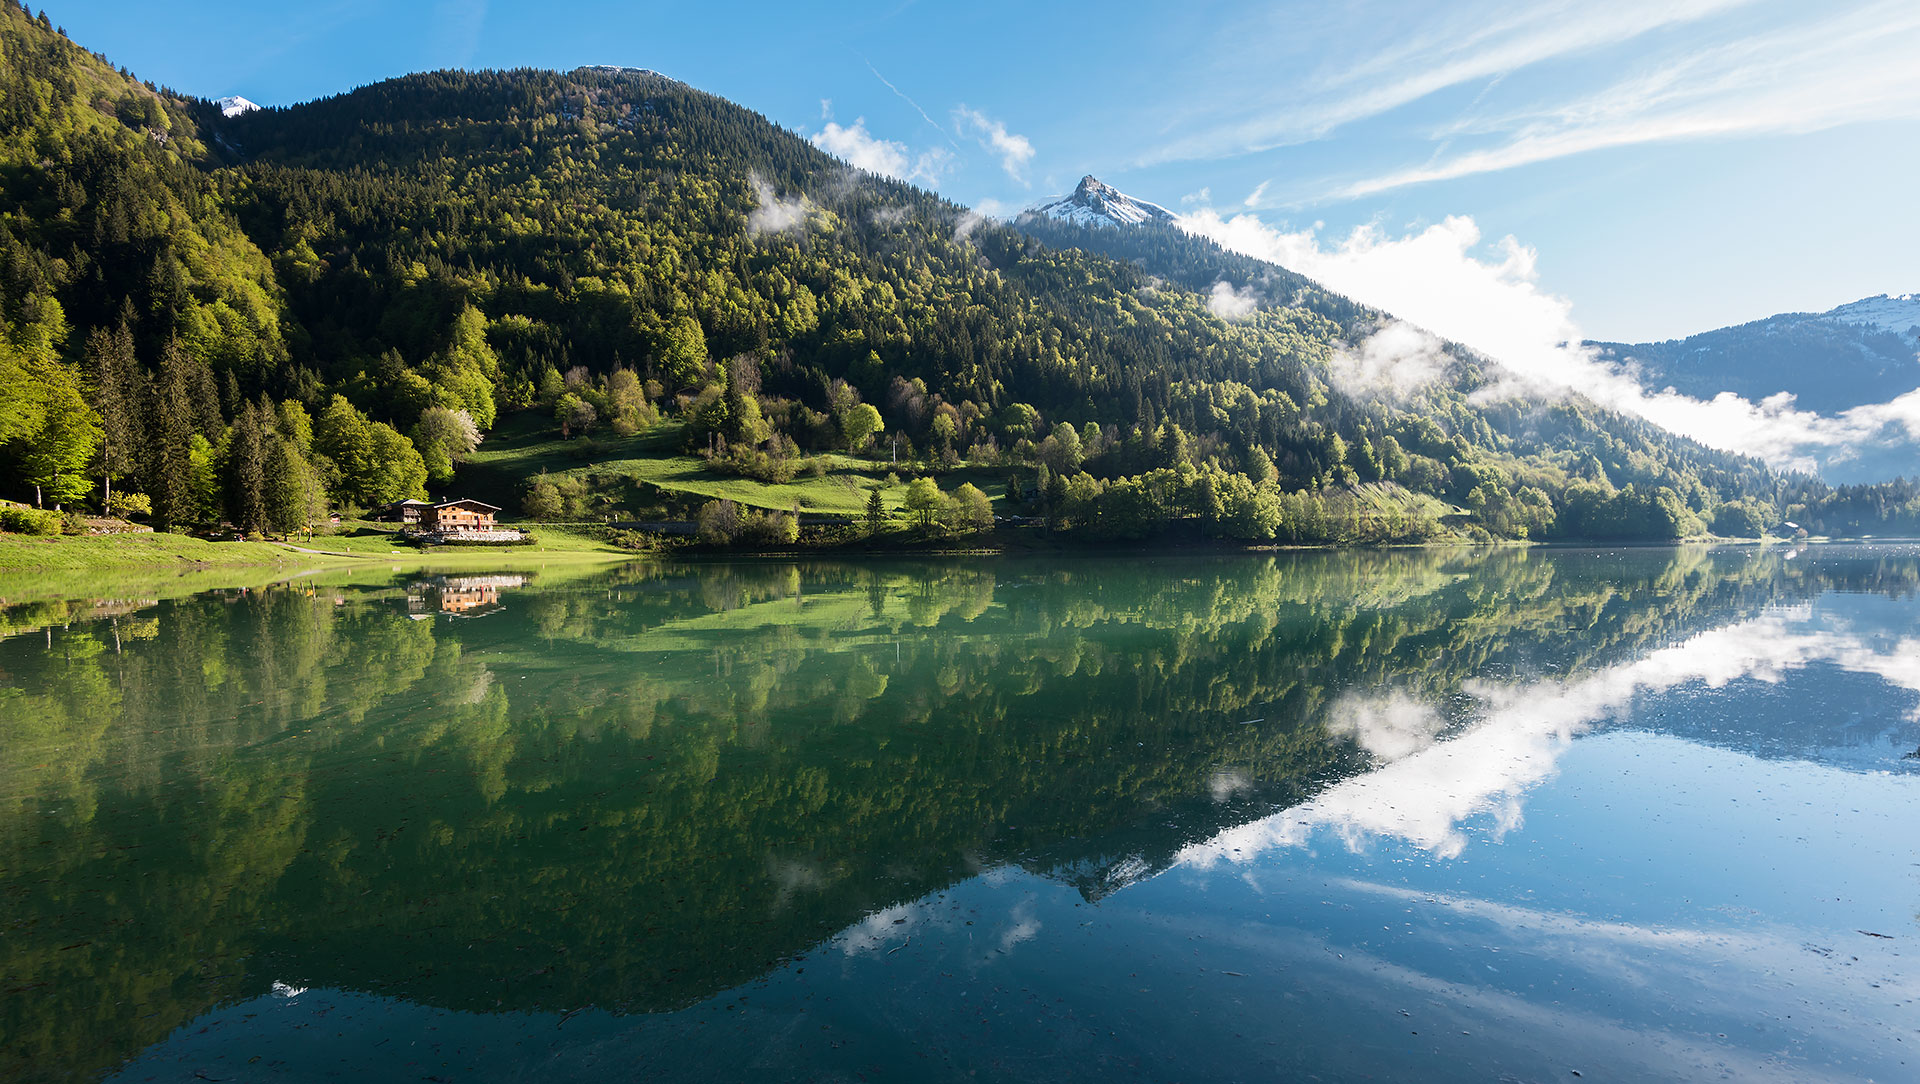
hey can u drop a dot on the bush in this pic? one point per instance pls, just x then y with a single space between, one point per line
778 465
724 523
34 521
755 464
562 498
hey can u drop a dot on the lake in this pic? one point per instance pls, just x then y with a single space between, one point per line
1475 815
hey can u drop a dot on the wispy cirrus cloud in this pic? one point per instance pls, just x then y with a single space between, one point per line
458 25
1453 46
1554 79
1803 77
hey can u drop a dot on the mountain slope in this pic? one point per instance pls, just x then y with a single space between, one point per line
962 318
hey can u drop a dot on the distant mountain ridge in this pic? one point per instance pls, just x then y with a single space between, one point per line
1866 351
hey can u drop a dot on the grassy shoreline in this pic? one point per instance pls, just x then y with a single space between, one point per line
166 565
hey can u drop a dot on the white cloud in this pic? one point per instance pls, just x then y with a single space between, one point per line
771 214
1015 151
861 149
1394 362
983 212
1442 279
1259 192
1230 304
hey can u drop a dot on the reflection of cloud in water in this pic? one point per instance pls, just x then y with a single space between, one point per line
1389 727
1427 788
888 931
1663 971
1227 782
1022 926
882 928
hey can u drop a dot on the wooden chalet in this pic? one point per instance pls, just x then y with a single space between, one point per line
408 512
461 515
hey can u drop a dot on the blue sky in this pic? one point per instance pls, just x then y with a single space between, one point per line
1633 170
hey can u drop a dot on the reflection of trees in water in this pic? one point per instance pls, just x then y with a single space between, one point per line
634 791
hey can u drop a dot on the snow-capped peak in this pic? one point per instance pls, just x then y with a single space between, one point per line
1898 313
233 105
1095 203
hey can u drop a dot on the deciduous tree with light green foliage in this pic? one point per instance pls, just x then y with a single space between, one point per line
371 463
58 455
859 424
575 415
924 501
627 396
445 438
543 499
683 352
463 374
970 509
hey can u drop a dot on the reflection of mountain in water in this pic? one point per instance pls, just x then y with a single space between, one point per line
634 791
1434 772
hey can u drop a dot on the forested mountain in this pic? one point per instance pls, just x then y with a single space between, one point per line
245 317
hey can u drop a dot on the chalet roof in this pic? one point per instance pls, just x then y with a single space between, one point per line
465 502
408 501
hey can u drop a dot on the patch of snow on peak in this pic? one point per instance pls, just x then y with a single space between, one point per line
233 105
1898 313
1095 203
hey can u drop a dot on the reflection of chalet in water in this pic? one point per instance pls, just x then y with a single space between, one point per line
459 596
463 520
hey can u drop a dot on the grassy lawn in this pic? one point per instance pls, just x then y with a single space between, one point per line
164 565
526 445
68 553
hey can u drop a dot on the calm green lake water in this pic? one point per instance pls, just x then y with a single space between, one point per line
1434 815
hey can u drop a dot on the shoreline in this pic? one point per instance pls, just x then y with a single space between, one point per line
35 569
39 569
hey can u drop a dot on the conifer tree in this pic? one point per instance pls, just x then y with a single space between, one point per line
246 472
116 399
169 434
